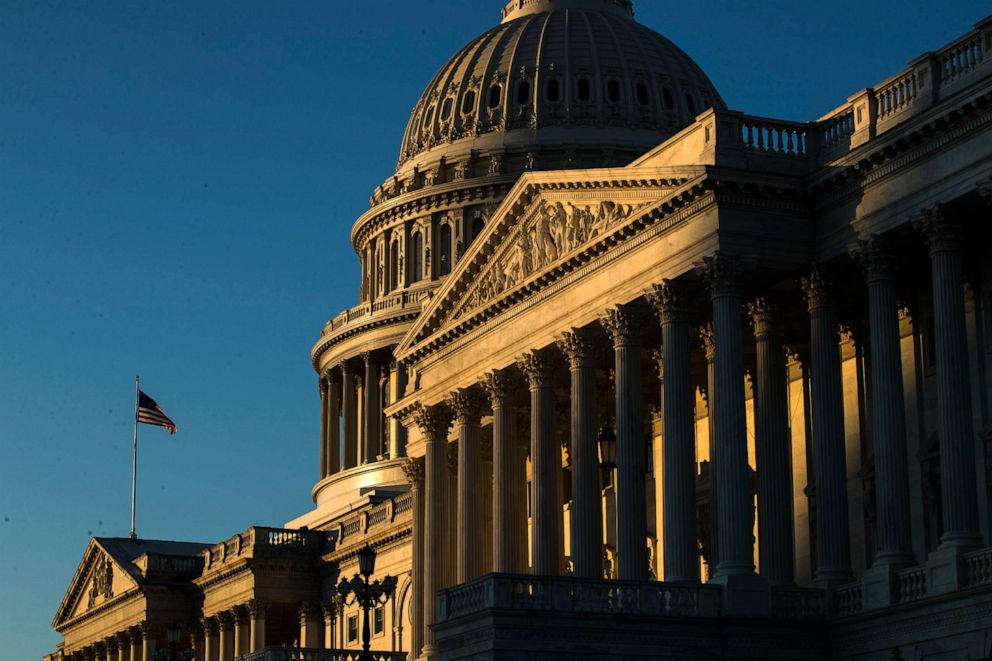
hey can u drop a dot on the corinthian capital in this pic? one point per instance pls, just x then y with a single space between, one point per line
536 366
940 228
499 386
434 422
622 324
761 312
723 273
874 253
466 405
668 302
818 289
577 347
413 468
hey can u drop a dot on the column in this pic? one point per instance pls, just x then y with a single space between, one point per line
329 612
773 449
467 407
895 546
587 514
322 387
371 406
147 642
211 640
397 389
256 611
311 625
545 463
111 645
99 652
349 415
833 545
958 482
712 550
196 642
124 647
434 423
225 622
681 557
632 556
414 469
333 423
242 631
723 275
137 651
450 516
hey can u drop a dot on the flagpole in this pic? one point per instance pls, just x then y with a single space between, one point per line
134 459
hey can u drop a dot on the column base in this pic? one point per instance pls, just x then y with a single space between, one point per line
744 595
946 571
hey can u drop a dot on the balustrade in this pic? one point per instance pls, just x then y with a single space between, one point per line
774 136
912 583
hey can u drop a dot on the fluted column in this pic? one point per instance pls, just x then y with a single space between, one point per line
372 408
124 647
137 649
333 423
322 387
349 415
256 611
773 450
225 622
632 556
467 408
508 473
587 512
545 464
414 469
242 631
708 342
833 545
434 423
450 516
958 481
211 641
895 544
397 388
681 558
723 275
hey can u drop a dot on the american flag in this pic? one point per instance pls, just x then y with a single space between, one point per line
150 413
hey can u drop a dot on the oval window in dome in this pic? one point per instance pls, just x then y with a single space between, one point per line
613 90
468 103
642 93
584 89
666 96
554 90
446 109
429 117
523 92
495 96
690 103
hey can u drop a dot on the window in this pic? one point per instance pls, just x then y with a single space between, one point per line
584 89
394 265
379 621
613 91
477 225
690 103
667 98
554 90
353 628
444 268
642 94
523 92
429 117
495 96
446 109
468 103
416 256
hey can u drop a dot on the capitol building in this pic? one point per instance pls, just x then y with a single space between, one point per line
632 375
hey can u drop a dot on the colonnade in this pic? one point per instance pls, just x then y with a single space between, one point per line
231 633
723 278
352 430
133 644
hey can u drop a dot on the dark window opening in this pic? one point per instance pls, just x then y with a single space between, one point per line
468 103
379 620
690 103
417 257
667 98
477 225
613 91
446 109
352 628
554 90
429 117
642 94
523 92
584 89
444 268
495 96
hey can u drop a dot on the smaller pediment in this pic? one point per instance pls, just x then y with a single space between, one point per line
98 580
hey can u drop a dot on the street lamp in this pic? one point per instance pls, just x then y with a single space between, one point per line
171 652
366 593
607 442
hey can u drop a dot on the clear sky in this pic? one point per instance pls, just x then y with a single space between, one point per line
177 184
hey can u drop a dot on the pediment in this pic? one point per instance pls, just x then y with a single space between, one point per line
547 221
98 579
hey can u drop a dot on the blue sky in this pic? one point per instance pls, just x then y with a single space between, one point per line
177 184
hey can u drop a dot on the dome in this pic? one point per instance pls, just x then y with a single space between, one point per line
556 76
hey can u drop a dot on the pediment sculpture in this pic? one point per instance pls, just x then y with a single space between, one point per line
101 580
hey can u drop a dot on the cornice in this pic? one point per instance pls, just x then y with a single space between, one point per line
387 538
325 343
205 581
102 608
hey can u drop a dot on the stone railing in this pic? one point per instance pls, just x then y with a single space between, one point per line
773 136
911 583
799 603
172 564
849 599
406 299
377 516
573 595
309 654
978 566
248 542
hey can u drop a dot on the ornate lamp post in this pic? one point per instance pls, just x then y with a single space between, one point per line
367 594
607 442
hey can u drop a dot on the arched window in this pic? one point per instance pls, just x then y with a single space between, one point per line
583 90
468 103
495 96
429 118
477 225
642 93
416 256
613 90
523 92
444 267
554 90
394 265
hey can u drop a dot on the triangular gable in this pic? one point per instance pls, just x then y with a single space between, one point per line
545 220
98 579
